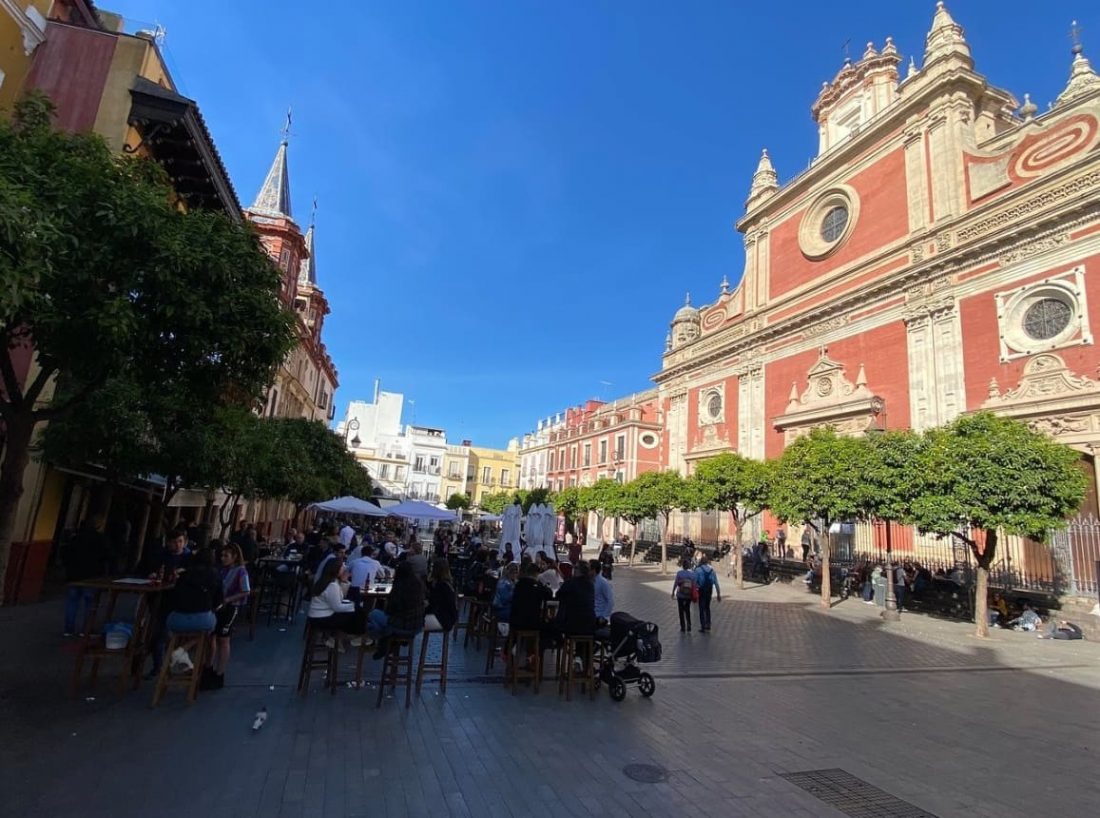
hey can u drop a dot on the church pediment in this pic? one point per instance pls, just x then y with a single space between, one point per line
829 399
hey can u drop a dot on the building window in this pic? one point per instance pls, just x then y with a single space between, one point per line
418 466
486 474
384 472
1047 318
399 473
505 477
603 450
1044 315
454 473
828 222
588 454
832 226
433 461
572 456
647 440
551 461
620 447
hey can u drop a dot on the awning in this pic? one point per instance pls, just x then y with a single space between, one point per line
350 505
417 510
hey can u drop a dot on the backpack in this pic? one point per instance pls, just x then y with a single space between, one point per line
685 588
708 578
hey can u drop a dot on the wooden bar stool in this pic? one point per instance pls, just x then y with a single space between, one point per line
439 669
197 644
462 623
521 644
474 610
393 662
318 656
583 647
492 633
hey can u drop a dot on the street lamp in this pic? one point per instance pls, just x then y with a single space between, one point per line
353 426
890 612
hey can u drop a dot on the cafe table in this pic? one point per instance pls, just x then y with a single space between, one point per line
94 648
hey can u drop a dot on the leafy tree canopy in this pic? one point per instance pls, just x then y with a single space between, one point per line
820 476
659 492
732 482
567 501
457 501
494 503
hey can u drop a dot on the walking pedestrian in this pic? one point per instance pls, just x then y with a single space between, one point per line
706 580
807 541
683 591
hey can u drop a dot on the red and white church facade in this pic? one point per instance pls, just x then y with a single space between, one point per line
940 255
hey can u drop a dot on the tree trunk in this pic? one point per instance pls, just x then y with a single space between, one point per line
19 430
736 560
662 535
981 591
826 577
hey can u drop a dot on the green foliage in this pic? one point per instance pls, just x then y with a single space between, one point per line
993 473
733 483
599 497
457 501
890 475
567 502
820 476
494 503
533 497
656 493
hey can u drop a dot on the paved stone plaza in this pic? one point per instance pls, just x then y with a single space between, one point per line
921 710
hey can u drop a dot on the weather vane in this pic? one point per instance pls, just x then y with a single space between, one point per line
286 126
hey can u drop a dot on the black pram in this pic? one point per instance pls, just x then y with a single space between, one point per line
633 642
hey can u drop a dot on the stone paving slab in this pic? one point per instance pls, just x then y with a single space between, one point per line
919 710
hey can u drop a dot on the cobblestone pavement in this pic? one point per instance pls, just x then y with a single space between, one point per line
920 709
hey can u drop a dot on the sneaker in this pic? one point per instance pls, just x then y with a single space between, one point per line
67 634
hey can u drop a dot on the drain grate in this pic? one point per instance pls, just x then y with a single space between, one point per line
646 773
853 796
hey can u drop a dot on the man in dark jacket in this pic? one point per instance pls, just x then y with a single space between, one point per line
577 604
84 557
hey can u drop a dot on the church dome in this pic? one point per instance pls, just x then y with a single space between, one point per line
686 312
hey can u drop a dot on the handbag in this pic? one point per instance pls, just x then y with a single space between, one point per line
695 593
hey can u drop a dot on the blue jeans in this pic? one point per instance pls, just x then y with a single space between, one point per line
704 608
182 622
378 624
73 598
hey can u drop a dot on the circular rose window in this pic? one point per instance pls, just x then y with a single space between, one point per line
1047 318
832 226
714 405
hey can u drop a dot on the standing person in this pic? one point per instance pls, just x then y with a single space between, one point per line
901 582
683 589
346 535
807 541
781 543
235 590
607 561
84 556
706 580
573 548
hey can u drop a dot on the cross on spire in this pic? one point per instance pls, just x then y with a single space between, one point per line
1075 37
847 49
286 126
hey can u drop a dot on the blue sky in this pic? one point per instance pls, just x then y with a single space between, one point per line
514 195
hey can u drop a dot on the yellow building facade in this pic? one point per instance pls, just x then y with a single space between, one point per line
492 470
22 30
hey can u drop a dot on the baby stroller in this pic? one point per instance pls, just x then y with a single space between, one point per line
633 642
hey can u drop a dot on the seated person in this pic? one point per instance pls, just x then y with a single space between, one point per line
1026 621
577 604
337 551
191 603
404 613
549 575
363 573
327 607
163 563
442 611
998 610
528 599
604 595
502 597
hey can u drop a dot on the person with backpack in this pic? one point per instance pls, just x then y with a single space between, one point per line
683 591
706 580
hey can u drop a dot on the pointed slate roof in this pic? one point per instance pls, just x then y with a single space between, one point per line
274 197
307 270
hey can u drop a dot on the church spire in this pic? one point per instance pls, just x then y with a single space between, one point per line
274 196
765 181
945 39
1082 78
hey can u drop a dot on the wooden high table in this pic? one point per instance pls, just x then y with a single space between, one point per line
94 646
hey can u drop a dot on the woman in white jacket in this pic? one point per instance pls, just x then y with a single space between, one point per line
327 607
